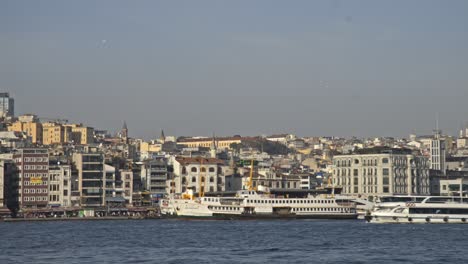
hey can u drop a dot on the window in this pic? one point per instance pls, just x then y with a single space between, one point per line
194 169
211 169
194 179
355 172
385 189
385 160
211 179
385 180
203 169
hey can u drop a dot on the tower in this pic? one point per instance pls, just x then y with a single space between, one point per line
438 150
162 138
213 149
124 132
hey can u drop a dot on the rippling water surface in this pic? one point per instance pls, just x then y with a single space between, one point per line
175 241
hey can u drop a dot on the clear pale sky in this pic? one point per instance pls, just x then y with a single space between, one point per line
343 68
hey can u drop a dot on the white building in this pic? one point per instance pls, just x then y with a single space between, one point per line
381 171
59 185
437 150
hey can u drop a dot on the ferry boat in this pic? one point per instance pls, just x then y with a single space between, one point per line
255 204
420 209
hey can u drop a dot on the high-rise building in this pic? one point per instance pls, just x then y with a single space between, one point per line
91 178
438 153
7 105
33 166
9 179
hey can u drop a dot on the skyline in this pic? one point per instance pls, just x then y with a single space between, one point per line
324 68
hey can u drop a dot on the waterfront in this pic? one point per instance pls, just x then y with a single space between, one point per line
175 241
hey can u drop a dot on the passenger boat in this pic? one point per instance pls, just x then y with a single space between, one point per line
429 209
253 204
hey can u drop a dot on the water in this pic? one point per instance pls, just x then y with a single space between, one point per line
175 241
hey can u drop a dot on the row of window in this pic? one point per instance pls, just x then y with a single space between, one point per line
321 210
27 175
280 201
54 198
28 183
36 199
224 208
203 169
36 167
36 159
35 190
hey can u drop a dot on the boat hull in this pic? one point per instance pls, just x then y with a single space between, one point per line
263 216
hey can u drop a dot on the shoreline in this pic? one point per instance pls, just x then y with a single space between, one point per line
11 220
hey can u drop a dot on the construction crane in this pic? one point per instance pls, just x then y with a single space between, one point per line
250 182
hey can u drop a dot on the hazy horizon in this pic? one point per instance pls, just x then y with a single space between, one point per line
312 68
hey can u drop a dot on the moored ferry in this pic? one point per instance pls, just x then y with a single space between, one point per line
257 204
429 209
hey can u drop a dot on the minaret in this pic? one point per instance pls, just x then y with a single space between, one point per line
213 149
124 132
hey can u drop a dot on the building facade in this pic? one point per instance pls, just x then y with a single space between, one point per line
91 178
81 135
375 172
59 185
32 129
55 133
7 105
33 166
9 187
199 174
438 153
154 174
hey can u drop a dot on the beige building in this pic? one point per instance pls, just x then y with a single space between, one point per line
198 173
222 143
147 147
55 133
32 129
81 135
382 171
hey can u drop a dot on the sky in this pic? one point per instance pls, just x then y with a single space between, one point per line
244 67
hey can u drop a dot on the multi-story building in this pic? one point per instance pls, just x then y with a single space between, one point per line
81 135
222 143
55 133
198 173
154 174
31 128
91 178
33 166
438 154
7 105
126 176
59 184
9 179
381 171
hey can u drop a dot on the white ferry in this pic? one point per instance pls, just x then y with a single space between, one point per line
257 204
419 209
